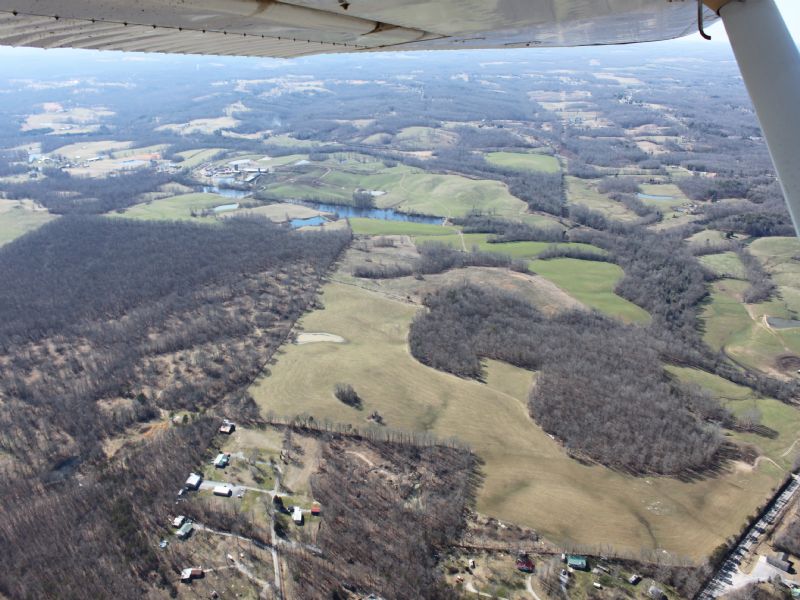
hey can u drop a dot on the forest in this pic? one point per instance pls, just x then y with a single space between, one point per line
99 334
594 373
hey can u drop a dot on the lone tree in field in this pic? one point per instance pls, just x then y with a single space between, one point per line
345 393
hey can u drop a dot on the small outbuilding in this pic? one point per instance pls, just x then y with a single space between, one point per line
227 427
191 573
194 481
634 579
185 530
223 490
221 461
316 510
776 562
524 563
178 521
577 562
297 515
656 593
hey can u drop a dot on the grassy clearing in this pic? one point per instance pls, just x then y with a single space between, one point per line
782 418
89 149
593 284
726 264
18 218
580 191
742 331
524 161
777 254
529 250
406 189
528 477
380 227
175 207
425 137
194 158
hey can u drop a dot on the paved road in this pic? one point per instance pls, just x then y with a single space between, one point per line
729 576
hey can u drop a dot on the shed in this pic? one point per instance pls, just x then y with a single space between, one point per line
194 481
634 579
223 490
656 593
185 530
221 461
577 562
316 510
297 515
227 427
178 521
779 564
191 573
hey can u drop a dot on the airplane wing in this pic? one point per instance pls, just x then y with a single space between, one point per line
288 28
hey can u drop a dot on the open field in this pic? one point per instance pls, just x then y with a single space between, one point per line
726 264
85 150
580 191
425 137
780 417
207 126
529 479
18 218
279 212
529 250
525 161
593 284
406 189
194 158
779 255
742 331
66 121
380 227
175 207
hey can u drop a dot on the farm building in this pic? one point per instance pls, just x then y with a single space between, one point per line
315 509
223 490
227 427
191 573
634 579
656 593
221 461
776 562
178 521
185 530
297 515
194 481
577 562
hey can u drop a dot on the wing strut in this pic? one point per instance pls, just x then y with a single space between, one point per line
770 65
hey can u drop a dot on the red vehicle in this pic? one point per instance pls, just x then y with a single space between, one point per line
524 563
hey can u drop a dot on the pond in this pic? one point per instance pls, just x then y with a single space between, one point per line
779 323
227 192
226 207
643 196
386 214
296 223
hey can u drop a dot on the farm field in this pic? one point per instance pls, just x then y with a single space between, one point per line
175 207
581 192
194 158
778 255
725 264
18 218
593 284
525 161
406 189
86 150
529 479
380 227
743 332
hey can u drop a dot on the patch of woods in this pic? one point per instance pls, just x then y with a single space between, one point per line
62 194
346 394
438 258
94 536
385 525
106 324
601 389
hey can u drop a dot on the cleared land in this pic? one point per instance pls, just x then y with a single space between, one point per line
529 478
86 150
580 191
725 264
525 161
18 218
593 284
207 126
175 207
742 332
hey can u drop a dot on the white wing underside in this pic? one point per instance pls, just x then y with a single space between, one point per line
300 27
